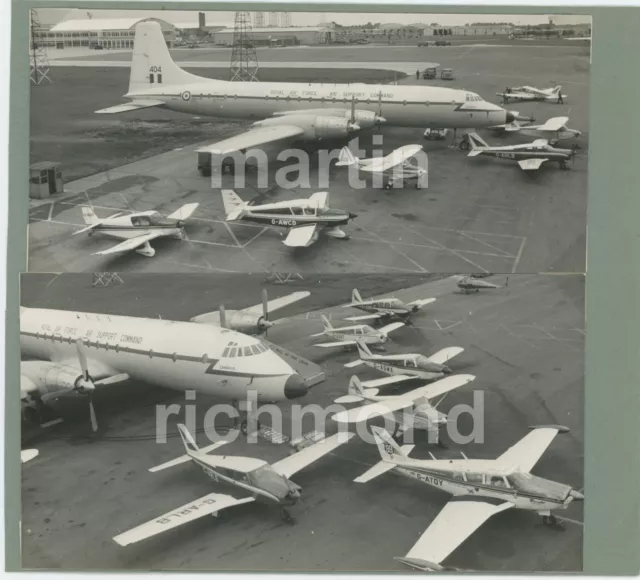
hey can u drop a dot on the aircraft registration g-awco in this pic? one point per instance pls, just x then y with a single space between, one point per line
307 111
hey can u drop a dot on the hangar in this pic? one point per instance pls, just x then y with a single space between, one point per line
289 35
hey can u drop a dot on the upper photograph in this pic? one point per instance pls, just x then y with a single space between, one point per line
300 142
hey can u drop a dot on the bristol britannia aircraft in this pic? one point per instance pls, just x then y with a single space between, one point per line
480 488
404 367
525 93
390 169
255 478
351 335
411 410
304 218
384 308
530 156
75 352
553 130
307 111
137 229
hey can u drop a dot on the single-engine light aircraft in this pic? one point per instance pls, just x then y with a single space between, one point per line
470 284
525 93
385 308
349 336
553 130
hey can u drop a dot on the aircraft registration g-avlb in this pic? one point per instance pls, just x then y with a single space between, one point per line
137 229
75 352
352 335
384 308
307 111
394 168
255 478
304 218
481 488
526 93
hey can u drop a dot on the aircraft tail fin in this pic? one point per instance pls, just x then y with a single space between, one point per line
355 387
191 448
389 450
188 441
355 296
477 144
89 216
326 322
346 157
233 205
363 349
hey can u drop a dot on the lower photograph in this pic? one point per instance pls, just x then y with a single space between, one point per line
329 423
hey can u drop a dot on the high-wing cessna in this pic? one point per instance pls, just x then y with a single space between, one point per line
304 218
411 410
137 229
551 95
470 284
530 156
384 308
393 168
307 111
404 367
254 320
255 478
352 335
553 130
481 489
75 352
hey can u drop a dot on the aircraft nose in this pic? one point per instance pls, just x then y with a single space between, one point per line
294 387
576 495
352 215
510 117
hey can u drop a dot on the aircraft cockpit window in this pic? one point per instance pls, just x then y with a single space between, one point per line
296 211
141 220
247 351
255 349
232 352
410 363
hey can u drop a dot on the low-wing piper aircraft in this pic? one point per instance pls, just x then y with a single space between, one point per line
254 320
351 335
470 284
384 308
553 130
481 489
411 410
525 93
255 478
530 156
304 218
390 169
72 353
404 367
137 229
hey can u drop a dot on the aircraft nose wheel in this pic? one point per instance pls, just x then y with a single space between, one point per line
286 516
551 521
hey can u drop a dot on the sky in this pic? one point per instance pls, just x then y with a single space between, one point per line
314 18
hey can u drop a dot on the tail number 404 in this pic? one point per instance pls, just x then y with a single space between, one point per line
155 69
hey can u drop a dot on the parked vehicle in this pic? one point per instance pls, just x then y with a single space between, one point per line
443 43
446 74
429 73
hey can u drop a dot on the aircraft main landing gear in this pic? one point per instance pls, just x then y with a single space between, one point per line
551 521
286 516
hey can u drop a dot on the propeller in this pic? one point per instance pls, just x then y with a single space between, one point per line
223 317
86 385
379 118
264 323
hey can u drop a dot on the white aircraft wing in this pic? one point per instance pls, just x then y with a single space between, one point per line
204 506
332 344
132 106
381 467
252 138
130 244
373 316
531 164
421 303
445 355
383 382
301 236
452 526
293 463
554 124
28 455
185 212
395 158
439 387
526 452
391 327
277 303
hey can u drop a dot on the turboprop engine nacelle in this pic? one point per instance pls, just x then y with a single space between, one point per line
246 323
364 119
40 378
314 126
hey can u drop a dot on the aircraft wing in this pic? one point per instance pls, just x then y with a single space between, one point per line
439 387
526 452
204 506
373 316
452 526
276 304
395 158
252 138
301 236
130 244
445 355
332 344
293 463
373 410
531 164
185 212
554 124
422 302
383 382
132 106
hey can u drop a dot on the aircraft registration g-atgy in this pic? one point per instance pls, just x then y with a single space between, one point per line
255 478
75 352
304 218
481 489
137 229
393 168
307 111
526 93
385 308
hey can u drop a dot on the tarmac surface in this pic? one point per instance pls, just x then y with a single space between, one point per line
476 214
523 341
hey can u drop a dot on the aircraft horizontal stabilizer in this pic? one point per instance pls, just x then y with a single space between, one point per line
185 458
381 467
132 106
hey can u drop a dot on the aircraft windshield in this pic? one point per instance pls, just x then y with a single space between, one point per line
266 478
233 350
538 485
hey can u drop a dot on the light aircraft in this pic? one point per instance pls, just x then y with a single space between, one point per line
28 454
307 111
553 130
481 489
75 352
517 121
411 410
525 93
469 284
304 218
530 156
404 367
393 168
351 335
137 229
254 320
255 478
384 308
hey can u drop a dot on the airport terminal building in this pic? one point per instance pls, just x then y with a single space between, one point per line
288 35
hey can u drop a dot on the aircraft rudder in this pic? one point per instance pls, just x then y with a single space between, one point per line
388 448
188 441
88 215
355 296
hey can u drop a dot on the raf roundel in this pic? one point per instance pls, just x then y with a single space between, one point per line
186 96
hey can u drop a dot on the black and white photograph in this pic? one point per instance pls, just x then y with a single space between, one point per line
311 423
260 142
